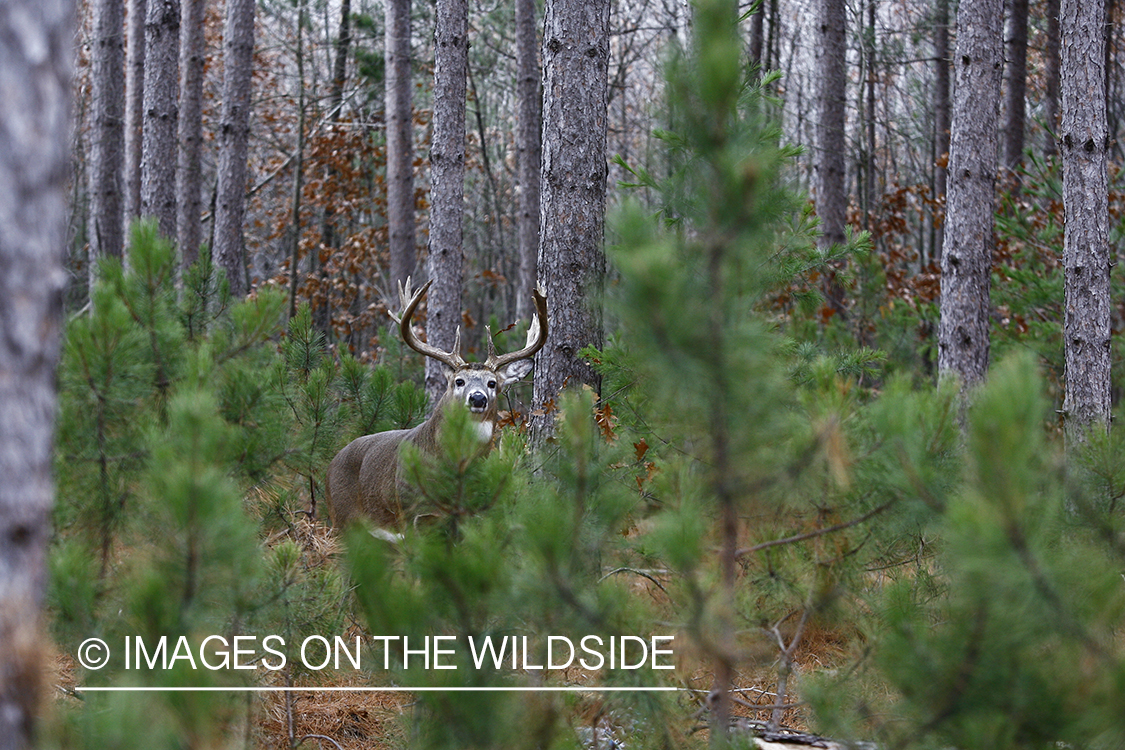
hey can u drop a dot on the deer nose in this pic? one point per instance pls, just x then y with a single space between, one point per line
477 400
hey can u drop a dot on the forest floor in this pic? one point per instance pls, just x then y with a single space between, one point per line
374 720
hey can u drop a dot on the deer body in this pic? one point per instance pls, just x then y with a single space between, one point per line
365 478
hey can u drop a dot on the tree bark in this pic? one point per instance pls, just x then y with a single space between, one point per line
941 114
447 184
161 114
107 135
573 193
966 263
1015 99
400 141
189 201
1083 143
134 108
234 139
757 38
1051 73
831 186
36 51
529 151
870 188
298 167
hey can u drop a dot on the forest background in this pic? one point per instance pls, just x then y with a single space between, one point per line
788 444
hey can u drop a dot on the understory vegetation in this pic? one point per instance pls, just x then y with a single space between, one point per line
834 543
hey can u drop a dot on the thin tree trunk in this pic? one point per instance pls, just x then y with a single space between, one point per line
1083 140
161 114
1016 108
134 107
869 167
189 203
234 139
757 34
447 184
336 103
1051 73
328 237
400 141
831 187
107 135
298 167
966 263
573 194
529 151
36 50
941 115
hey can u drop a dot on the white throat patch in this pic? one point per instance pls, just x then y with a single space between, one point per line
484 430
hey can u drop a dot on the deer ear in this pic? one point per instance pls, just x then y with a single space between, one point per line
513 371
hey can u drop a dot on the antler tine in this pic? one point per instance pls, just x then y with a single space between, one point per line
409 302
536 334
491 343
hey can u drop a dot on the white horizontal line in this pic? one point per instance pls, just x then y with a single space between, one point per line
489 689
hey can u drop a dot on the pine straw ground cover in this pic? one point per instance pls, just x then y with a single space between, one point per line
351 720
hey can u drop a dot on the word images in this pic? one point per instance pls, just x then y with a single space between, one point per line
316 652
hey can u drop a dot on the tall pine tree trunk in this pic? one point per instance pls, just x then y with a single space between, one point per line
941 114
966 261
134 106
447 184
107 135
831 185
571 251
36 50
234 140
1051 73
189 200
1083 140
530 153
161 114
870 188
399 106
1015 106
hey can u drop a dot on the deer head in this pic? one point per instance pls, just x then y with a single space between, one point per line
476 385
365 477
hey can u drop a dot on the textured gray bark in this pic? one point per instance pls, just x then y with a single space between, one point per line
134 106
1051 73
871 183
941 112
1015 97
107 134
234 139
529 150
447 184
757 37
1083 141
189 199
831 186
36 50
966 262
573 193
161 115
399 105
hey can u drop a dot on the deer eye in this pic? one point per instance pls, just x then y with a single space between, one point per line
492 384
460 382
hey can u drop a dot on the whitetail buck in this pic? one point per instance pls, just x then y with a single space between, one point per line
365 478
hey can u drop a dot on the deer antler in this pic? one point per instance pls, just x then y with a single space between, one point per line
409 301
536 335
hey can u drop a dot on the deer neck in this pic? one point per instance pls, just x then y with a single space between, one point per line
426 435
